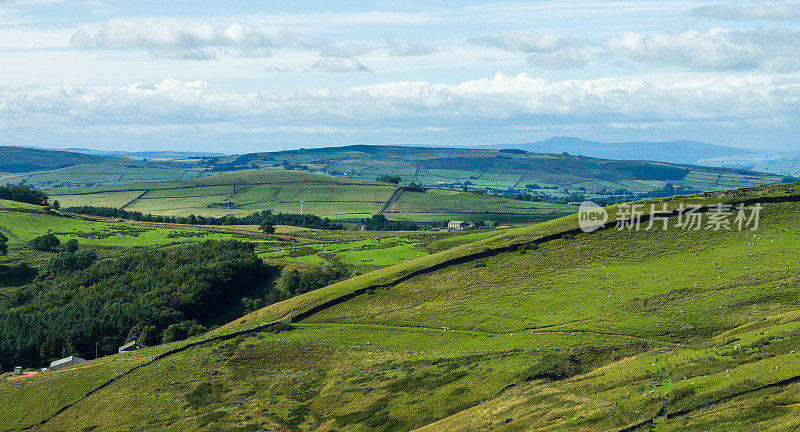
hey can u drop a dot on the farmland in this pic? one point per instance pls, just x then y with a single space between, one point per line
342 199
557 175
675 329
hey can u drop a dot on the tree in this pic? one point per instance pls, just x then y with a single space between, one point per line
150 336
267 227
389 179
56 205
47 242
71 245
3 244
182 330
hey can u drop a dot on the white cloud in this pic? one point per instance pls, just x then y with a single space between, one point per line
528 42
176 39
339 64
568 58
546 50
717 49
348 49
779 10
411 49
476 109
498 97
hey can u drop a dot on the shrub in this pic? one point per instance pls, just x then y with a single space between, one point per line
47 242
71 245
65 262
150 336
182 330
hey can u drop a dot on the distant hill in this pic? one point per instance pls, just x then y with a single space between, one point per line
503 169
22 159
683 152
51 169
509 172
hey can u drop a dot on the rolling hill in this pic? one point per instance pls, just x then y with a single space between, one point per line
51 169
536 328
281 191
508 172
554 175
681 152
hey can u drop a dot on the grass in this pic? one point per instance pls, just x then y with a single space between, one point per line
671 330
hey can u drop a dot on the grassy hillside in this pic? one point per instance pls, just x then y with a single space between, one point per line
326 196
535 328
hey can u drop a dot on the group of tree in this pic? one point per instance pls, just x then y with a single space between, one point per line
23 194
78 301
257 218
381 223
389 179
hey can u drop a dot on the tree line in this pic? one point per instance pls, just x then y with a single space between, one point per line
257 218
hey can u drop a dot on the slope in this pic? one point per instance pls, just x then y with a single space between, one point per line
537 328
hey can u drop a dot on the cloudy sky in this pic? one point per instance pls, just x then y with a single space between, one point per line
262 75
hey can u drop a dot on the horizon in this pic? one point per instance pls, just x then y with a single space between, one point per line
188 77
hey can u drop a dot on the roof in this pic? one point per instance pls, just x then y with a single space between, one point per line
66 360
462 222
132 344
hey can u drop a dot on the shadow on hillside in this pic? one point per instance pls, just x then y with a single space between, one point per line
16 275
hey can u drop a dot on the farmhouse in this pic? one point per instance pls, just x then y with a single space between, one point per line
460 225
66 362
132 346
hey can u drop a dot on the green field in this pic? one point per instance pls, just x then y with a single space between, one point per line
645 330
281 192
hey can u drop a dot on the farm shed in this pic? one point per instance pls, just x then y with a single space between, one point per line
66 362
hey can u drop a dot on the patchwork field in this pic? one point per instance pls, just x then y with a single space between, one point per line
497 170
281 192
533 328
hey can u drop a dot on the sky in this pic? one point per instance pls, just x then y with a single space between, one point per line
244 76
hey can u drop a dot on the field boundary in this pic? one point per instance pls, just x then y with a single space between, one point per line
391 201
133 200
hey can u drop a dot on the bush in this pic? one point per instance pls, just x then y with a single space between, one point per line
47 242
150 336
65 262
3 244
182 330
71 245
